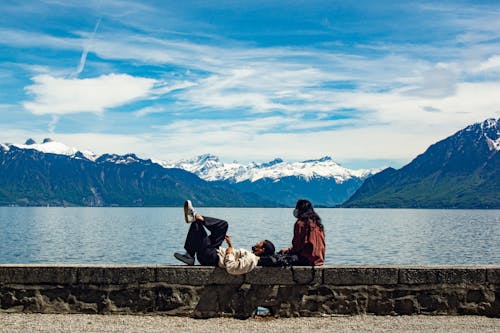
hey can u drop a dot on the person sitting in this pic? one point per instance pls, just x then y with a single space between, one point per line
308 242
207 248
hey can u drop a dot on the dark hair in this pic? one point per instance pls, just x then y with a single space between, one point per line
307 213
268 247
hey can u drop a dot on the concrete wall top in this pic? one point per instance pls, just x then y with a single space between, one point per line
204 275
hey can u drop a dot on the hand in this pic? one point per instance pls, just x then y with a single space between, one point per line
284 250
228 241
229 244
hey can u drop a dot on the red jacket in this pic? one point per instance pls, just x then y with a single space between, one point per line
310 245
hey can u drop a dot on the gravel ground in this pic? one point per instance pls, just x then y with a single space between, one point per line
137 323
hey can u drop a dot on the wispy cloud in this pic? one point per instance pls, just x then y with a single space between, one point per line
53 124
149 110
85 51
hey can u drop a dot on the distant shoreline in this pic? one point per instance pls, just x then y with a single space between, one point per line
242 207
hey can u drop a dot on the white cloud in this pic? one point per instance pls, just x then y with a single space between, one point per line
22 39
149 110
436 82
64 96
249 140
492 64
162 88
262 79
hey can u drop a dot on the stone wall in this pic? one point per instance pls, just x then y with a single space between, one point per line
202 292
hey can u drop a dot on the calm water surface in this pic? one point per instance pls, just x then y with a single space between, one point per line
151 235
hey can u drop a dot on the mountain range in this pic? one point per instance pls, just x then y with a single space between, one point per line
322 181
51 173
461 171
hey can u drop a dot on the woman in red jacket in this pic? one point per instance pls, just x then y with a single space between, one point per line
308 236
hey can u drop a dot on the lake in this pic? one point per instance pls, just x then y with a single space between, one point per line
151 235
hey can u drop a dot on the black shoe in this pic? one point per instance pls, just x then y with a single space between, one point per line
185 258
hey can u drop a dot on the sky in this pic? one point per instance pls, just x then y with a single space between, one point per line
369 83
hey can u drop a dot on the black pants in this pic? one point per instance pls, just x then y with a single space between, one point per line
204 246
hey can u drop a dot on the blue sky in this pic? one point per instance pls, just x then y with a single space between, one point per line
370 83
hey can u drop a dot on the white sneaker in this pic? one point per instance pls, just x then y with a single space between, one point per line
189 212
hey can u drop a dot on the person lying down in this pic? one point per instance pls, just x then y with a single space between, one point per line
208 250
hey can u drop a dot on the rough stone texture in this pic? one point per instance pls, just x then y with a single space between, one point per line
196 275
442 275
307 275
204 292
351 276
264 275
493 275
30 274
116 274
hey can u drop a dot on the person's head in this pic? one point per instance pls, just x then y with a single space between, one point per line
304 211
263 248
303 206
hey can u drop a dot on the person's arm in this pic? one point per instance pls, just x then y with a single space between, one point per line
229 244
299 237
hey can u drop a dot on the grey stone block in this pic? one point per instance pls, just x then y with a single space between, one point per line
434 275
32 274
307 275
184 275
418 276
493 275
116 274
462 275
270 275
196 275
219 276
350 276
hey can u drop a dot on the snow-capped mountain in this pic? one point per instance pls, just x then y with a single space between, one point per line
273 183
211 168
50 173
323 181
461 171
49 146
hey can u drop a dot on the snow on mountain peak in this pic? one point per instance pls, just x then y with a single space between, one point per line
488 123
210 168
120 159
491 131
4 146
269 164
50 146
323 159
493 144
